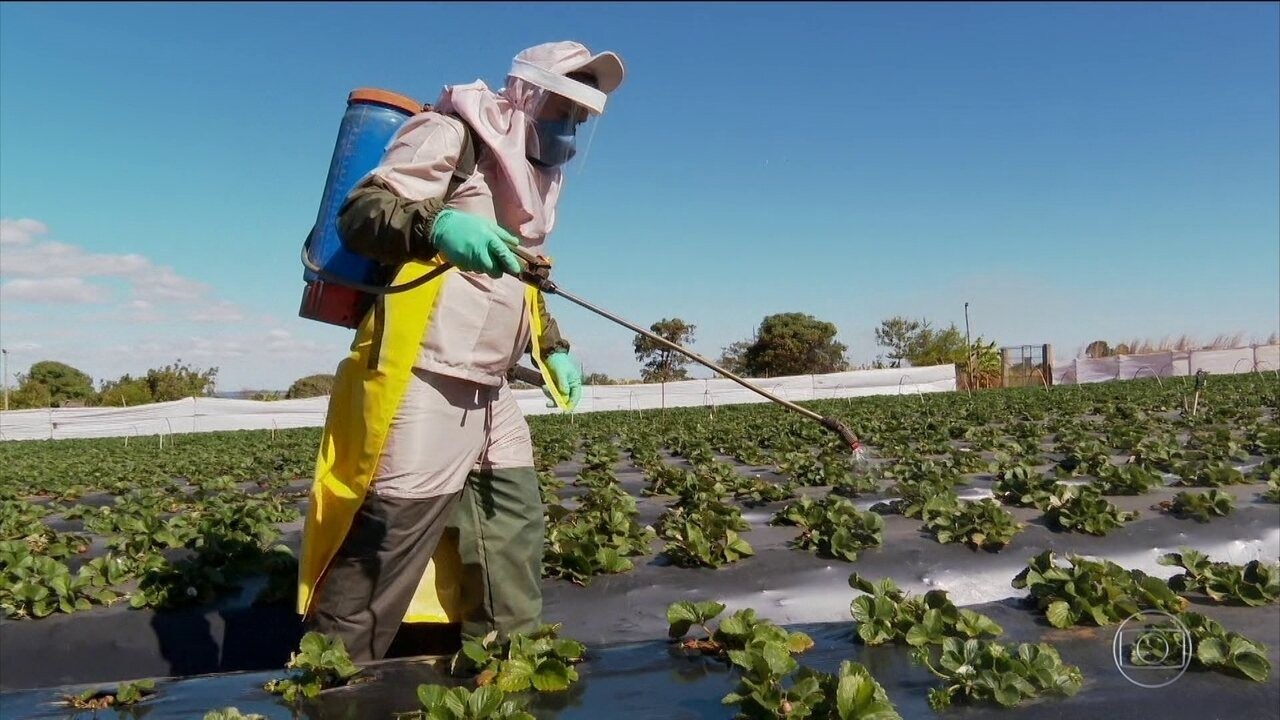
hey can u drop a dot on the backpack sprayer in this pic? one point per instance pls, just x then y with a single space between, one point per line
341 285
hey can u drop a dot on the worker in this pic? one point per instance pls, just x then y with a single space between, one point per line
425 506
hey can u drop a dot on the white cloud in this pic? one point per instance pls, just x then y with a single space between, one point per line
164 284
53 290
21 231
148 281
282 342
142 311
221 311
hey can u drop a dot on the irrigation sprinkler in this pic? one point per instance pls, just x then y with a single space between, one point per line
1043 379
917 387
1201 376
1154 374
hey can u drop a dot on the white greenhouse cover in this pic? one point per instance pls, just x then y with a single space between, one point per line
208 414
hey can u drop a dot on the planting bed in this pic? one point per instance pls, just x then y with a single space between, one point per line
754 508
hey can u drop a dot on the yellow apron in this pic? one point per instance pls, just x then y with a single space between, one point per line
367 389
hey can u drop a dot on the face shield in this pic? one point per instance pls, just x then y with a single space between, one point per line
561 113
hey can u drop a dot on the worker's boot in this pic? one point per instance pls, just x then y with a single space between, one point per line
500 540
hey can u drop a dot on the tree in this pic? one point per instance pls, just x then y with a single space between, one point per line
901 336
310 386
794 344
1097 349
987 370
125 392
178 381
934 347
596 378
50 383
662 364
733 358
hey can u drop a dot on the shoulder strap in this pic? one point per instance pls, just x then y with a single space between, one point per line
466 159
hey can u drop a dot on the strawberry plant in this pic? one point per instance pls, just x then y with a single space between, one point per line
1200 506
1098 591
1215 474
980 524
1082 508
1268 471
886 614
578 551
125 695
670 480
321 663
756 491
733 636
777 688
1212 648
914 495
832 527
857 483
802 468
1253 583
988 671
750 454
703 538
772 685
17 518
1130 479
1084 457
540 660
459 703
231 713
1022 486
38 586
1272 493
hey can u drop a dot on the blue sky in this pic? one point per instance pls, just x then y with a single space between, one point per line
1074 171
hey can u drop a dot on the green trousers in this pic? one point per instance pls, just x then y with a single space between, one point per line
500 538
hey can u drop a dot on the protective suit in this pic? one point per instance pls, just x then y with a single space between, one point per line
425 506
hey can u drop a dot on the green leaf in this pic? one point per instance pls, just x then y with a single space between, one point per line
708 610
736 625
848 690
798 642
484 701
778 659
1212 652
313 643
1059 614
1254 665
516 675
431 695
681 616
568 650
917 636
553 676
455 701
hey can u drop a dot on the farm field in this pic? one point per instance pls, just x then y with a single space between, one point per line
1055 514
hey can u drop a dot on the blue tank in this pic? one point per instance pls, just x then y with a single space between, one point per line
371 120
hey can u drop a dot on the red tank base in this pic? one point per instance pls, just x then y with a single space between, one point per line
334 304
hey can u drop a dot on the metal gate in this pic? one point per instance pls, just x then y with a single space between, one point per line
1025 365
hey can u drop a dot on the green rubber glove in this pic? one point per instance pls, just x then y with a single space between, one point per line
568 378
474 244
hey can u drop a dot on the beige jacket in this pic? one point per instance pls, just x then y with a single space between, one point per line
479 326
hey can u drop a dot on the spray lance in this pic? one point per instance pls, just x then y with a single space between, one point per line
537 272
